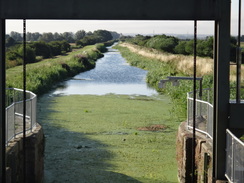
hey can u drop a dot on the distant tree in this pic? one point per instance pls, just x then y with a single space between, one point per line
189 47
65 46
163 42
10 42
103 35
125 38
30 53
79 35
242 38
58 37
55 47
42 49
47 37
68 36
115 35
181 48
89 33
29 36
205 47
16 36
33 36
140 40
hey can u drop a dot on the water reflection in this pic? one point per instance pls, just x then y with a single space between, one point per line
111 75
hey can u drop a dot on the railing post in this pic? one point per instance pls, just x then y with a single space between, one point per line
233 163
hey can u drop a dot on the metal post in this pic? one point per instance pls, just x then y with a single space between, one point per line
238 59
200 89
2 101
221 89
24 100
194 176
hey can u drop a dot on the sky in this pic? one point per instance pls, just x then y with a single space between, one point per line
124 27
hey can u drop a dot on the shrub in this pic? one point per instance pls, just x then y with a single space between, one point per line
163 42
42 49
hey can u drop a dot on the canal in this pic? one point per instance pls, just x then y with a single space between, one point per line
111 75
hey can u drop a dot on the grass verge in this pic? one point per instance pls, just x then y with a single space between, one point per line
97 139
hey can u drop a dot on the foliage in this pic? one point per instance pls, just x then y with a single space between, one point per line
139 40
30 54
47 37
79 34
163 42
98 36
101 47
16 36
36 49
69 37
158 70
41 76
42 49
15 56
10 42
181 48
172 44
115 35
33 36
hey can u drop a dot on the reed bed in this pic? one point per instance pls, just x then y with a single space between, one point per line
182 63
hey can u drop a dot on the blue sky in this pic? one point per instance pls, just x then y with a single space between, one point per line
124 27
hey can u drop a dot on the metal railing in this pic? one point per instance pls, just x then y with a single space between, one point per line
14 112
234 158
204 112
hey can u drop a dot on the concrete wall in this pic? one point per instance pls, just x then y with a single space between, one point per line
34 158
203 157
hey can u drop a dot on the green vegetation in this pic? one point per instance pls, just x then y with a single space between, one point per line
242 138
99 36
97 139
174 45
48 45
41 76
158 70
35 51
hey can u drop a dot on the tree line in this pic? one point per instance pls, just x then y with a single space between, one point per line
35 51
46 45
70 37
175 45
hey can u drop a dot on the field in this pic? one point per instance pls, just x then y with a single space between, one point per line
111 138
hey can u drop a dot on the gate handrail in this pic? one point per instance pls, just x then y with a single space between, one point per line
208 114
14 113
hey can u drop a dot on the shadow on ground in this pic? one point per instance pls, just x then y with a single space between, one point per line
73 157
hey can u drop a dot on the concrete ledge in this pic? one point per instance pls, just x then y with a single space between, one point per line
34 158
203 157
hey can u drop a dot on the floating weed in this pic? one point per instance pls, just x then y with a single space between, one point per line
117 147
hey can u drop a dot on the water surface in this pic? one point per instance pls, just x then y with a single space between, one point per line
111 75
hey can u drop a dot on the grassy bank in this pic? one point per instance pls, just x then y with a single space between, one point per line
41 76
101 139
159 66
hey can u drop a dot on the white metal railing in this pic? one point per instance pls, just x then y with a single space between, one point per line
234 158
204 112
14 112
